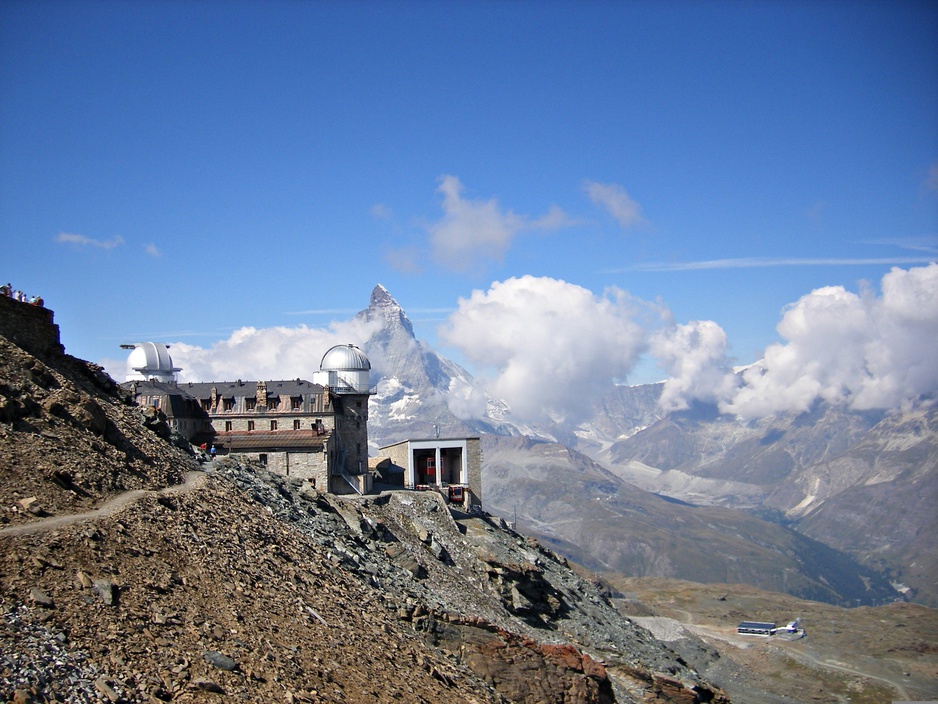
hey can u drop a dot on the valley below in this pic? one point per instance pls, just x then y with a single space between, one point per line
866 654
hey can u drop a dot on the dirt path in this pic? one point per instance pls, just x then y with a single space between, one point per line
194 480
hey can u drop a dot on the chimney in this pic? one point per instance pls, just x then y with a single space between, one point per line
261 395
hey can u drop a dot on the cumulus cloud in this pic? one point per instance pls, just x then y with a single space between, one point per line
614 200
84 241
865 351
266 353
551 345
694 356
474 231
465 401
549 348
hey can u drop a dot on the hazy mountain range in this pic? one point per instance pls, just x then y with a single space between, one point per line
831 504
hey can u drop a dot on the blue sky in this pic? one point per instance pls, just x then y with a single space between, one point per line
176 171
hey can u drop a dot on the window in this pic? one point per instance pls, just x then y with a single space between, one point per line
228 404
206 404
273 425
262 459
296 424
296 402
250 425
273 402
227 426
250 403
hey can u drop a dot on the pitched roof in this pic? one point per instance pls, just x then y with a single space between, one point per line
151 387
282 387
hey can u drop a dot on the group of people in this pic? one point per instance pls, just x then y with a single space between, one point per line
17 295
212 453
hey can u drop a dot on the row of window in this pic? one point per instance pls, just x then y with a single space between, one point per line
273 425
250 404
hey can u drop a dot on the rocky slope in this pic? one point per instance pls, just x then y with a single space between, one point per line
119 584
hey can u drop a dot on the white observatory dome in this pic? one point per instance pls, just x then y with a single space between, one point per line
150 361
345 358
344 369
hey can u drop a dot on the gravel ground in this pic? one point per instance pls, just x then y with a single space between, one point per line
666 629
37 659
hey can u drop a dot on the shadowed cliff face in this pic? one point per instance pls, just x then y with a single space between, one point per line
250 585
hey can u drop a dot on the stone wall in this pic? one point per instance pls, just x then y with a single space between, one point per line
262 419
309 466
30 327
351 427
398 456
474 463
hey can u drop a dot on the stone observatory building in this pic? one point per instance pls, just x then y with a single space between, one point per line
313 430
317 431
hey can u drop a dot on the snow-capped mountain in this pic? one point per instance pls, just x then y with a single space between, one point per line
861 483
419 392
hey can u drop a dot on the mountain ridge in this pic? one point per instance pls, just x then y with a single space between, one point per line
790 469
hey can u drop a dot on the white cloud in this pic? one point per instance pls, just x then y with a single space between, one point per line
553 220
865 351
552 345
550 348
464 401
118 369
694 356
474 231
613 198
83 241
267 353
153 250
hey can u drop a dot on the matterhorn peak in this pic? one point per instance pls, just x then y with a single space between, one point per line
384 307
381 298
